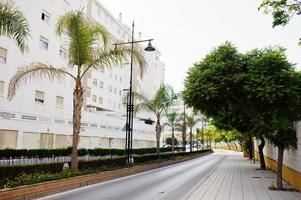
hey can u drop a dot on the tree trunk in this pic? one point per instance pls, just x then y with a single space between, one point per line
279 167
190 134
250 144
172 139
77 109
235 145
158 135
261 155
229 148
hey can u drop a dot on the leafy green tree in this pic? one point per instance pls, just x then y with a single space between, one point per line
215 86
172 121
13 24
171 141
88 50
260 87
158 104
273 82
282 11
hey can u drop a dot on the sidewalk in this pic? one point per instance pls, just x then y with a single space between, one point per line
238 179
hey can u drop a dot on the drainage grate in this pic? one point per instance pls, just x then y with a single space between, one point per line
256 177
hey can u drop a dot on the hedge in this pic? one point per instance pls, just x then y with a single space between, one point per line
90 164
52 153
7 172
13 171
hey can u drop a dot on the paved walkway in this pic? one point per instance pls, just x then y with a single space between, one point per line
238 179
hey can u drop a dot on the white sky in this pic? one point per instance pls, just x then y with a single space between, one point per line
186 30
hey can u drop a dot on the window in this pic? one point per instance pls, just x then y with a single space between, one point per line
100 84
94 98
1 88
94 82
59 102
100 100
115 77
40 97
119 106
110 88
63 53
44 43
45 16
120 79
3 55
120 92
115 90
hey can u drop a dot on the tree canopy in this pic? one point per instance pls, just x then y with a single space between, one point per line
258 91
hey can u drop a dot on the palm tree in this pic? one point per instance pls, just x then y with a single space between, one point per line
88 49
163 99
13 24
172 119
191 121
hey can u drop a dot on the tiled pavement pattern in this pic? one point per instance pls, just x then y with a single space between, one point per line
238 179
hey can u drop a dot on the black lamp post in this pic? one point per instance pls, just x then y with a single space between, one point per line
130 99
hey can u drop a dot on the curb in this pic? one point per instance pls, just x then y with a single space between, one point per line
48 188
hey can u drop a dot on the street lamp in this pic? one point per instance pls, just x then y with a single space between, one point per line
130 99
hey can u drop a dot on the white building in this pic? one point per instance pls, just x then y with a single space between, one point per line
40 116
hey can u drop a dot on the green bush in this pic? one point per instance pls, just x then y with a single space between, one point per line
27 179
15 170
31 174
169 141
53 153
90 164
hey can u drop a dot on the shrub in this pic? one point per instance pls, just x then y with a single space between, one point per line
169 141
90 164
13 171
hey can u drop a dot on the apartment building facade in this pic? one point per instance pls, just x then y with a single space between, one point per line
40 116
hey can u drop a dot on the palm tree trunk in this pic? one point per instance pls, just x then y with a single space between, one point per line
158 135
261 155
190 134
77 107
184 128
172 139
279 167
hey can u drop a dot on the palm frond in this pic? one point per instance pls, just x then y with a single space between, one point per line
145 106
118 55
98 30
35 71
13 24
138 58
109 57
83 36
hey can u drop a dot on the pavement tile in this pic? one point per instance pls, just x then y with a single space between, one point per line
237 179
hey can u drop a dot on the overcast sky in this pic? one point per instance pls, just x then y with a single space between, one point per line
186 30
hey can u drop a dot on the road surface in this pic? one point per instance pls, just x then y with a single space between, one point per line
167 183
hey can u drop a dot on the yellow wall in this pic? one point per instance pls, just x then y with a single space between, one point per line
232 147
289 175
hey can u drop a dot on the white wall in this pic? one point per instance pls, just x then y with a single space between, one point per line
292 157
47 115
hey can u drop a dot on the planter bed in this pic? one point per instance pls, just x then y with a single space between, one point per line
47 188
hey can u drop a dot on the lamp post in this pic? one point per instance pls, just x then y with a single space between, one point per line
130 98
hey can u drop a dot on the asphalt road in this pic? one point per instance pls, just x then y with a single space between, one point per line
168 183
